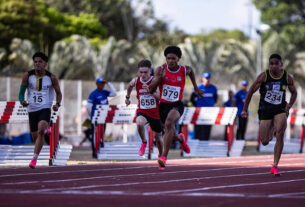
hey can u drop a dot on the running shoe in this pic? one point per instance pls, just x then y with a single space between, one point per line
275 171
32 164
142 149
184 145
161 162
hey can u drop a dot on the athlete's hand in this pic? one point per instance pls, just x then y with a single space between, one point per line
287 107
25 103
55 107
198 92
244 114
127 102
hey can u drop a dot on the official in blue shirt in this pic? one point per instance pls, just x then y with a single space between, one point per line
238 101
99 97
209 98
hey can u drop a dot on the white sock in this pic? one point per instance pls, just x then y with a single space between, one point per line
35 156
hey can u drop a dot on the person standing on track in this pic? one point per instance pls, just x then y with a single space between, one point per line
40 85
273 108
170 78
148 106
99 96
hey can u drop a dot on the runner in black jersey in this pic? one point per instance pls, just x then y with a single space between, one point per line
273 108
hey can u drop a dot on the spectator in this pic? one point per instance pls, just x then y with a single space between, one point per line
202 132
99 97
239 100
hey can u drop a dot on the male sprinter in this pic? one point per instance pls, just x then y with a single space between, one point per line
40 85
170 78
273 108
148 106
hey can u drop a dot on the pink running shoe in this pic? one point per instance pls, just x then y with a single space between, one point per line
161 162
275 171
184 145
32 164
142 149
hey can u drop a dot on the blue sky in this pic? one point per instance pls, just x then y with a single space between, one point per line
193 16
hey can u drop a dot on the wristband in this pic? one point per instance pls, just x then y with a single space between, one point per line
58 104
127 97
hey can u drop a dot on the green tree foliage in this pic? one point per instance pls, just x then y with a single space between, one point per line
220 35
35 21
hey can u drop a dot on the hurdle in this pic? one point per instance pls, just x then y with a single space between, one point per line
12 112
118 114
212 116
296 117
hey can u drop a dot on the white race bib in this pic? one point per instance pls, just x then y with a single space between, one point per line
170 93
37 97
274 97
147 102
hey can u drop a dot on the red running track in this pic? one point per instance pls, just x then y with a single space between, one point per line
238 181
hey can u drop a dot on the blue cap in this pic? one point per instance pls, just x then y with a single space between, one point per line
206 75
100 80
244 83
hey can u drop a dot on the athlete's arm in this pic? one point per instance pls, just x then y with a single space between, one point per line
190 73
56 87
112 89
158 75
293 92
23 86
253 88
130 86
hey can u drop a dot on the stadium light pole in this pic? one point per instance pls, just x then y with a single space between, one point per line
262 28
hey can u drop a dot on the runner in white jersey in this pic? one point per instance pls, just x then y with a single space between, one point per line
40 85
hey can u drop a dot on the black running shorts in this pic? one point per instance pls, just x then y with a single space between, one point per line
36 116
269 115
155 124
165 108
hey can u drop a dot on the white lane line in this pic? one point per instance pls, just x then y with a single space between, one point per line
295 194
245 160
160 182
222 187
152 166
138 174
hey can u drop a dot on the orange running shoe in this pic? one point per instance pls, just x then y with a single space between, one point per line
32 164
161 162
142 149
184 145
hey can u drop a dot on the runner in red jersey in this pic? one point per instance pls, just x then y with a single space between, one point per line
170 78
148 106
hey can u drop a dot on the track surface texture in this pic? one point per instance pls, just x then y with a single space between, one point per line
239 181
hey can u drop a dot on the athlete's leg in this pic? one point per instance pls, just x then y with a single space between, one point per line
42 125
266 131
170 130
141 121
280 124
159 142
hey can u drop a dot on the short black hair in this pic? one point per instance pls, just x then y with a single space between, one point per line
144 63
173 49
41 55
276 56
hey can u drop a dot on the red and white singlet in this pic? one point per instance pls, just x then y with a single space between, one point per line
147 103
172 85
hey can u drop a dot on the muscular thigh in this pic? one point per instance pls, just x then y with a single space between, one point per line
141 120
265 127
280 122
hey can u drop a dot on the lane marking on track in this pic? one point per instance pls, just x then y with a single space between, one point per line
138 174
152 166
158 182
222 187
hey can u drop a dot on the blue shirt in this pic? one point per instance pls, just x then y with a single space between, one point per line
239 98
97 97
208 97
228 103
